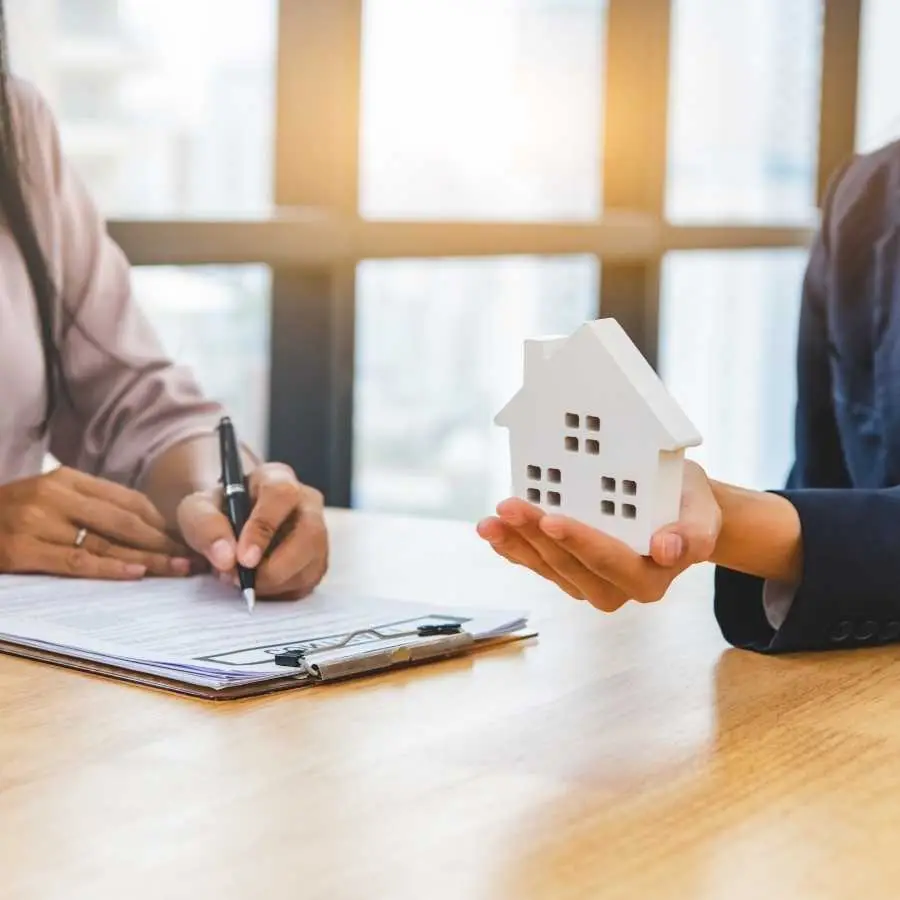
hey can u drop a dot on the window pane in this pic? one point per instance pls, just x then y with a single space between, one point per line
87 17
878 112
439 351
216 321
159 116
481 108
744 109
728 354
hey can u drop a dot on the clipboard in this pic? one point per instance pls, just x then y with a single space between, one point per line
183 637
320 667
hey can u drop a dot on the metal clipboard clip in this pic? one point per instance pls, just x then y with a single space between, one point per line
387 651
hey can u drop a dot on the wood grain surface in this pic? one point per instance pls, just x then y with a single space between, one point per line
625 756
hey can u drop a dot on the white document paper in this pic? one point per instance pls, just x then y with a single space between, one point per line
197 630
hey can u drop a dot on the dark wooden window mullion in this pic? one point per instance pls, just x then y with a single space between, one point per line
635 154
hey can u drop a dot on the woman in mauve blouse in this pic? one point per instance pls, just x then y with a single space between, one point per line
84 377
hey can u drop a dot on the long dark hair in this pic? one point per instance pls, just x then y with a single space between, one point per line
17 215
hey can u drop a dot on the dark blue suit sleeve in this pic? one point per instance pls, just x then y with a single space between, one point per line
819 464
849 593
819 458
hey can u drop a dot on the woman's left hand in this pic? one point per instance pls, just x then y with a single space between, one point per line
285 538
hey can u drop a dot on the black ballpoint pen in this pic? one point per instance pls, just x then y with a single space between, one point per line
237 501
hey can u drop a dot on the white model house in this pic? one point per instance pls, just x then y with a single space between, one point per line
595 435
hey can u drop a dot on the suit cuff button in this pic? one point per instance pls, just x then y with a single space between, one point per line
866 630
842 631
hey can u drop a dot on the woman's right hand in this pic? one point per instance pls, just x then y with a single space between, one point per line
592 565
42 517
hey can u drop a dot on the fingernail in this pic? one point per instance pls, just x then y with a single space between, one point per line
672 546
485 529
221 555
180 566
135 570
252 557
552 527
513 517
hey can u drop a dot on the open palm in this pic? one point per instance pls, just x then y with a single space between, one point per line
591 565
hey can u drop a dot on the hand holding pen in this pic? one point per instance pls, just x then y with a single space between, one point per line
274 530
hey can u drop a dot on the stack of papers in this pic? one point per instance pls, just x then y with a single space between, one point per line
198 632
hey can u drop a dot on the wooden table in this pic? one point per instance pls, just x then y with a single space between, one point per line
630 756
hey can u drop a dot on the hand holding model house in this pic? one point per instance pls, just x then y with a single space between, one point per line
598 443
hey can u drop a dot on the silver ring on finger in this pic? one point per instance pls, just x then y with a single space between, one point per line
79 538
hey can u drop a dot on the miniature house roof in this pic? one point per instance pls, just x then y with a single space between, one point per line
678 430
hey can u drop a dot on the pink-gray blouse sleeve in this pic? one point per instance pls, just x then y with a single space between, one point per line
131 401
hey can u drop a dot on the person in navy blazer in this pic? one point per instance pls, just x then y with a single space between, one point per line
816 565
